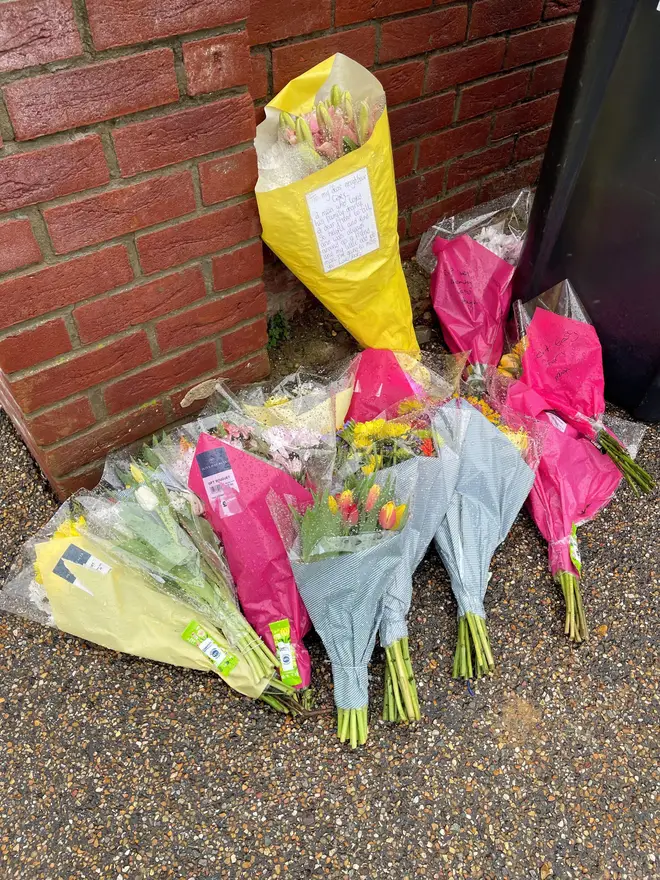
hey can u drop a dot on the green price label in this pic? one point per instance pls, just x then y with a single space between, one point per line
196 635
286 653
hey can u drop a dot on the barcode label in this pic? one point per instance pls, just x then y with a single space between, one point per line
285 656
213 651
219 481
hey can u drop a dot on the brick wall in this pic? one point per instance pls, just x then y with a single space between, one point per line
471 90
130 264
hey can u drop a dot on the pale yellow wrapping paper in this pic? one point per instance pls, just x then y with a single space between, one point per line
121 611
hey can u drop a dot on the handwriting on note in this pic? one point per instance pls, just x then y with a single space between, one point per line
343 218
554 354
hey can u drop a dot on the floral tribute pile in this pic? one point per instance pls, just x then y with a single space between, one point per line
219 545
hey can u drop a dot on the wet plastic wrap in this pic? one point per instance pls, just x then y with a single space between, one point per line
563 361
432 481
493 482
385 378
344 583
471 295
302 400
71 577
574 481
234 486
499 225
336 229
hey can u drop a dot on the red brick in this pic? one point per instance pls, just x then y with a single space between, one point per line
492 16
464 64
404 160
249 371
165 140
408 249
65 486
29 347
244 341
498 92
228 176
422 33
454 142
18 246
95 444
525 117
355 11
156 379
259 115
403 82
61 421
472 167
420 188
119 211
514 179
36 32
125 22
292 60
238 267
194 238
217 63
60 101
424 116
402 226
279 19
80 372
422 219
542 42
112 314
50 288
211 317
557 8
532 144
40 175
547 77
258 76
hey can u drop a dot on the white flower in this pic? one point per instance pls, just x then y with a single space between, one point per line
146 498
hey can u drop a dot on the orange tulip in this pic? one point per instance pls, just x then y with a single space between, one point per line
387 516
372 497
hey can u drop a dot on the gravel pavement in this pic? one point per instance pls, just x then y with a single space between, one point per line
115 768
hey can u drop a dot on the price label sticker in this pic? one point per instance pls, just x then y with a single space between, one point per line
222 660
286 653
219 481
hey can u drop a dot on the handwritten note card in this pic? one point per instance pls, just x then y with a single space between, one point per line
343 218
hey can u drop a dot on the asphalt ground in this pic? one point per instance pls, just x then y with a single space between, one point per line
113 767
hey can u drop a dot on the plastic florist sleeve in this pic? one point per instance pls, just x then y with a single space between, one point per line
344 550
234 486
327 199
573 483
562 359
498 459
73 580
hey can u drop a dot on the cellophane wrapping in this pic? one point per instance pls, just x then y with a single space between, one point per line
499 225
495 477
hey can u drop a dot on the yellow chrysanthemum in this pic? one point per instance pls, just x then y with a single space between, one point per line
410 405
69 528
485 409
518 438
394 429
374 463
